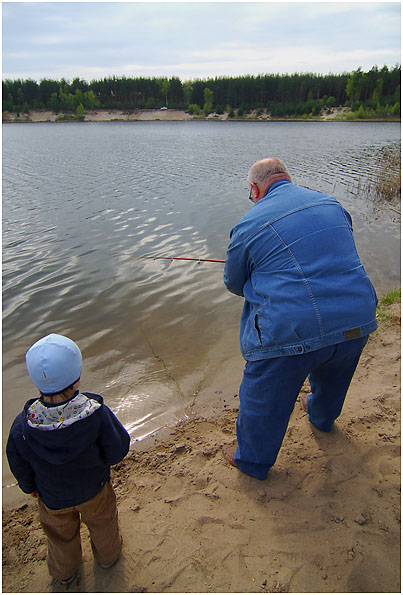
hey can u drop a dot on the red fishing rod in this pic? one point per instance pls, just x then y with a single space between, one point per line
176 258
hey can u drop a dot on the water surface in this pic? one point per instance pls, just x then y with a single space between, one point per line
80 199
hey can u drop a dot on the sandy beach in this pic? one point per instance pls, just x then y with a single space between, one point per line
172 115
104 115
326 519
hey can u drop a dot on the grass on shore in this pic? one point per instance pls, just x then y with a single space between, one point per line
392 297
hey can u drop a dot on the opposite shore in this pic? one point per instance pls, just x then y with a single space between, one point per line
104 115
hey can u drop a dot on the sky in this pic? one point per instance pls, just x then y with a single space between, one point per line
191 40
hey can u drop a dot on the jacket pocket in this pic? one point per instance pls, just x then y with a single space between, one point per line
257 329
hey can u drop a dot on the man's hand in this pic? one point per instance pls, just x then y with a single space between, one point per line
34 494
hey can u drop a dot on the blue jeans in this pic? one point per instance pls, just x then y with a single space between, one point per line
268 393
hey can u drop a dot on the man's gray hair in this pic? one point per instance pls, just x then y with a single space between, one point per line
261 171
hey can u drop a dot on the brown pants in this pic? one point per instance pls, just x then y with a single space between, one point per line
62 528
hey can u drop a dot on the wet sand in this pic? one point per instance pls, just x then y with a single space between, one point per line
326 519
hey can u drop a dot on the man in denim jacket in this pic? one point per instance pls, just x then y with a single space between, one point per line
309 308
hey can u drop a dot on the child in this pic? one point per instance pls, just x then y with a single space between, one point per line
60 449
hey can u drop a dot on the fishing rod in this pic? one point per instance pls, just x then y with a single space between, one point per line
176 258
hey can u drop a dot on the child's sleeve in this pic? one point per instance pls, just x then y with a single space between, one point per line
114 440
20 467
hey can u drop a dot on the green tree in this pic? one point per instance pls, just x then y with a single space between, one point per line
194 109
331 101
377 92
355 86
380 110
54 102
187 91
175 92
66 99
165 89
8 103
78 98
208 101
46 88
90 100
7 96
20 98
80 112
78 83
361 112
283 95
30 90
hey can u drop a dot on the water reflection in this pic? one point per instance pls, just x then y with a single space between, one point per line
79 200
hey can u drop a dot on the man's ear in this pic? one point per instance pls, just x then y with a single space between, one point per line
255 191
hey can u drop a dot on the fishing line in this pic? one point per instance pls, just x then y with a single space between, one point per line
177 258
157 357
161 361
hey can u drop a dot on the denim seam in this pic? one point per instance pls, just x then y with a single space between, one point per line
270 223
305 280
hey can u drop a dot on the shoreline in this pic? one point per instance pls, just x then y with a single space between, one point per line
172 115
326 519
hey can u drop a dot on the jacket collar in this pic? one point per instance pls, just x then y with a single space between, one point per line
278 182
46 404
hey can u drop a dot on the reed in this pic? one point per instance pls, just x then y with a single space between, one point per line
388 181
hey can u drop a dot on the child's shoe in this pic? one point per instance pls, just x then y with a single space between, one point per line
110 565
68 581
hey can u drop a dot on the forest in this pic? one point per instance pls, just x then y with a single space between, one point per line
372 93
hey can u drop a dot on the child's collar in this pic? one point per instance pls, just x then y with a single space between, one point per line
49 404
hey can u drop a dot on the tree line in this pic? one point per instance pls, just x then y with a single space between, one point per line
377 91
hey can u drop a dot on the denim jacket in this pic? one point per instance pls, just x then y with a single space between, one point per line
293 258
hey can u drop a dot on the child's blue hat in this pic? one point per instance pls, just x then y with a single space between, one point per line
54 364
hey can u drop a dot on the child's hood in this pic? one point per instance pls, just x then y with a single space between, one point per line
59 433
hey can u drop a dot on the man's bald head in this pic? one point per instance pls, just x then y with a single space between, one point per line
261 171
264 173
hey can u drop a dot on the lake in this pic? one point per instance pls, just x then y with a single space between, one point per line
80 199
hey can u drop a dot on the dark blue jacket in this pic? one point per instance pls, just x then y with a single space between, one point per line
293 258
66 466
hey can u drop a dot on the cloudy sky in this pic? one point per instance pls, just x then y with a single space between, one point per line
190 40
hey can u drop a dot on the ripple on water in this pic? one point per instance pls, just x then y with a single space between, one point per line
79 201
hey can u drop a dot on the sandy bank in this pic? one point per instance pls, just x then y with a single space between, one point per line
142 115
104 115
326 519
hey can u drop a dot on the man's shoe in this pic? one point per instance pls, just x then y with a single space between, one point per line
228 452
